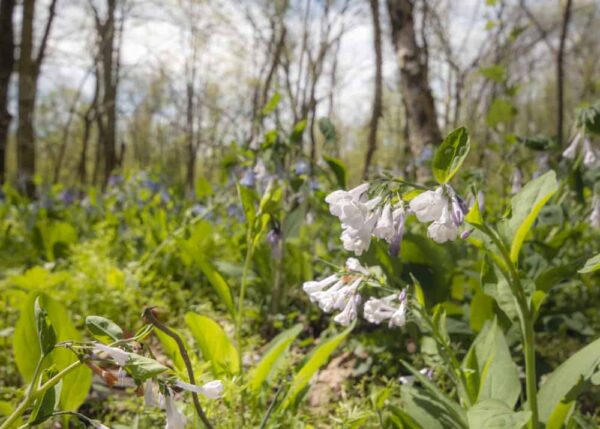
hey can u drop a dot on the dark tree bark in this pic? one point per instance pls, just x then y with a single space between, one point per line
414 82
109 61
29 69
560 74
7 62
377 97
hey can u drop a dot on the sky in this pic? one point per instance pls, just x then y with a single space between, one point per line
152 38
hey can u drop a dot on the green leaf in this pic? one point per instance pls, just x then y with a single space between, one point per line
494 414
218 283
104 330
271 105
481 310
273 357
560 414
591 265
46 405
452 409
214 344
45 331
501 112
171 349
248 199
496 73
339 170
525 207
142 368
450 155
567 380
421 410
26 349
296 134
498 375
315 360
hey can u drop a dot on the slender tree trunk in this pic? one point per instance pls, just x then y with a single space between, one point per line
377 97
414 85
110 92
29 69
7 62
27 94
560 75
190 134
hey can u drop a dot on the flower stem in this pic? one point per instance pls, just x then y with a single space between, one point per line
33 394
150 317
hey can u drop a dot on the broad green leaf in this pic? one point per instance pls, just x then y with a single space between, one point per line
142 368
218 283
481 310
26 348
498 375
171 349
494 414
452 409
104 330
474 216
525 207
450 155
339 170
421 410
317 358
560 415
272 358
591 265
214 344
566 380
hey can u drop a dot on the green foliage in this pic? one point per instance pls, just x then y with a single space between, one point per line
27 350
273 357
214 344
104 330
450 155
525 207
314 361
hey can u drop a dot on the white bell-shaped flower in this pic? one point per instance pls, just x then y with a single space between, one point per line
443 229
212 389
353 264
392 308
175 418
571 151
349 312
119 356
428 205
590 158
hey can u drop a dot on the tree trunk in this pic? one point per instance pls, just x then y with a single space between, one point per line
7 57
29 70
109 106
377 101
560 73
414 85
26 101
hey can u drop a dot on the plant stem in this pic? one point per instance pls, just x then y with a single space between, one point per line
240 312
150 317
526 320
33 394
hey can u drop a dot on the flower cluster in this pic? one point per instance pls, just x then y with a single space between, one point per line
340 291
363 218
444 209
152 395
590 154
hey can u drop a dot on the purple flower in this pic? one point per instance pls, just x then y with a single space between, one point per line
302 167
248 179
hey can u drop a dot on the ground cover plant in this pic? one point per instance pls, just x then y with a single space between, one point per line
299 214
